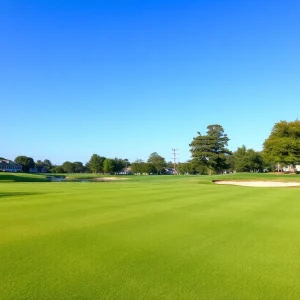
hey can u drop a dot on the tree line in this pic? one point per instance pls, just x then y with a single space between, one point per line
281 148
209 155
96 164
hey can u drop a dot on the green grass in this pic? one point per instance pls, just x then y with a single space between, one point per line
149 237
22 177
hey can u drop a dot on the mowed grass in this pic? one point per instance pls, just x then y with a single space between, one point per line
150 237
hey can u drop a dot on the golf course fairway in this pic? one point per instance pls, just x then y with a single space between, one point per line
149 237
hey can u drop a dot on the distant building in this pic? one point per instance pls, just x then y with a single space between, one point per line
7 165
125 171
170 171
290 168
33 170
38 170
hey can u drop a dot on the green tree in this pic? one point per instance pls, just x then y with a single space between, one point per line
69 167
108 166
136 167
119 164
283 144
47 164
210 150
157 161
148 168
240 159
79 167
170 164
96 163
140 167
44 164
25 161
247 160
184 168
57 169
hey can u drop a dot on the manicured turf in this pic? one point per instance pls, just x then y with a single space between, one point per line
150 237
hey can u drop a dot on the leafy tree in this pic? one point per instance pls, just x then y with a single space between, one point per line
119 164
148 168
127 162
79 167
140 167
47 164
210 150
157 161
44 164
283 144
87 167
57 169
25 161
136 167
247 160
96 163
185 168
69 167
39 163
170 164
108 166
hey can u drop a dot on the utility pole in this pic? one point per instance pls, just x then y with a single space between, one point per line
174 158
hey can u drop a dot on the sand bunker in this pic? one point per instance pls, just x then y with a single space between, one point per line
109 178
259 183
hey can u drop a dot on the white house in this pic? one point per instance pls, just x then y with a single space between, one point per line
291 169
7 165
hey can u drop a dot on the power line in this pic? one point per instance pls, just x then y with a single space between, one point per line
174 159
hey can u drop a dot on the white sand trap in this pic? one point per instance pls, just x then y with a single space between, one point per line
259 183
109 178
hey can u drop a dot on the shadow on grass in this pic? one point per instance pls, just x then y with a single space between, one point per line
19 178
205 182
17 194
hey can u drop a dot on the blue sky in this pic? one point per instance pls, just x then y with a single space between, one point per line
127 78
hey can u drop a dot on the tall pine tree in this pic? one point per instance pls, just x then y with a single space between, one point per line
210 149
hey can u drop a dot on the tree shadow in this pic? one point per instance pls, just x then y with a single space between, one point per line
18 178
17 194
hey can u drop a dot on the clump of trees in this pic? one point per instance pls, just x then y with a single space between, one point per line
209 155
282 147
155 164
247 160
96 164
26 162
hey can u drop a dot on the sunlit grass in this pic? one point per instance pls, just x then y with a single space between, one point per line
149 237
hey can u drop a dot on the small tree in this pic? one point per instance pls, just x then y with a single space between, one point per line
69 167
108 166
79 167
95 164
57 169
157 161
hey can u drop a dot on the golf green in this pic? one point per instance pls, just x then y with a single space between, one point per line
149 237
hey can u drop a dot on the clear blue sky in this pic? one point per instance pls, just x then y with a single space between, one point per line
127 78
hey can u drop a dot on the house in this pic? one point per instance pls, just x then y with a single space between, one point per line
125 171
38 170
170 171
7 165
290 168
33 170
